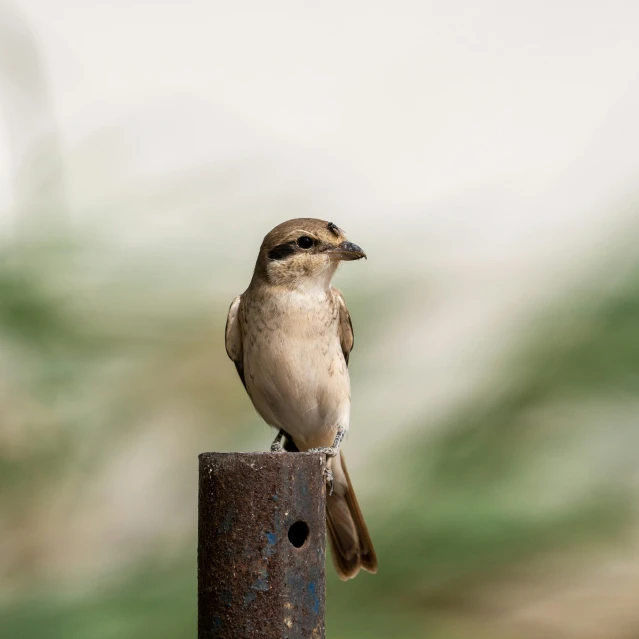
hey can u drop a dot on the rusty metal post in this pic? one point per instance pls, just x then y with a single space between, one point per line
261 546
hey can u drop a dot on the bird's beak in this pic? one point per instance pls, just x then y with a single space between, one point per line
346 251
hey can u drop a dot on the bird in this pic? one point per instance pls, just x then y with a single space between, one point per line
290 336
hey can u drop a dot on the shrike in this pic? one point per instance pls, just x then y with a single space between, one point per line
290 336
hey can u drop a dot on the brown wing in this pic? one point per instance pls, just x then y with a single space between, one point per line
233 338
346 335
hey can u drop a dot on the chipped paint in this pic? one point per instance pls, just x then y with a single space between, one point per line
316 603
261 583
251 579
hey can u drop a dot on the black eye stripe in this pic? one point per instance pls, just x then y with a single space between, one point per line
282 251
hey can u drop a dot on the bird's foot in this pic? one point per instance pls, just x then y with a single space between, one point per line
331 451
276 446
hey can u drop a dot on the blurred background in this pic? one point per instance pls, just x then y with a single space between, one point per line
485 155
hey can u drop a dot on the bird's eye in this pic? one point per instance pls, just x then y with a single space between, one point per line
305 242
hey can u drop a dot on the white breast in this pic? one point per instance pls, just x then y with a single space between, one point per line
294 367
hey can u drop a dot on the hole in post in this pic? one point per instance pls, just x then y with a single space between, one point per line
298 533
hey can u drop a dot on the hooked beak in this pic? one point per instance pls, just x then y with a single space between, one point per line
346 251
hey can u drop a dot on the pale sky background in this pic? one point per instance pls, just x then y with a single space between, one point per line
404 109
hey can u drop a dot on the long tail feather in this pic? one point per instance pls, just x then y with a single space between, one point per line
348 535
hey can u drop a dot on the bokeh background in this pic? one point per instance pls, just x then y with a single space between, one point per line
486 156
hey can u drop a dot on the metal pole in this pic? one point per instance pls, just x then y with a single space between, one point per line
261 546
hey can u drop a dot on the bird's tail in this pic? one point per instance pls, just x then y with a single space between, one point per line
351 544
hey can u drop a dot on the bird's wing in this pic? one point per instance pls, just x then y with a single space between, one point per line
345 327
233 336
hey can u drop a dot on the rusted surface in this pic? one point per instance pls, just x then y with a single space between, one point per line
252 580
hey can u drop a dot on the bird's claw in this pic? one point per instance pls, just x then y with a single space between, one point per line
328 474
276 446
325 450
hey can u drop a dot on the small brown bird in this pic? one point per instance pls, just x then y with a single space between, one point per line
290 336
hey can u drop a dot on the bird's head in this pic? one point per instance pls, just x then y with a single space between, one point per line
304 253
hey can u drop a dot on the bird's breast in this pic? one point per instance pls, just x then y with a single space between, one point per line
295 371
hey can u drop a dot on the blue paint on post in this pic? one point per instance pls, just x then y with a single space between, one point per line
271 540
261 583
316 602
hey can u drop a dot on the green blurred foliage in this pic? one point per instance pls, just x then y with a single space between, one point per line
514 476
